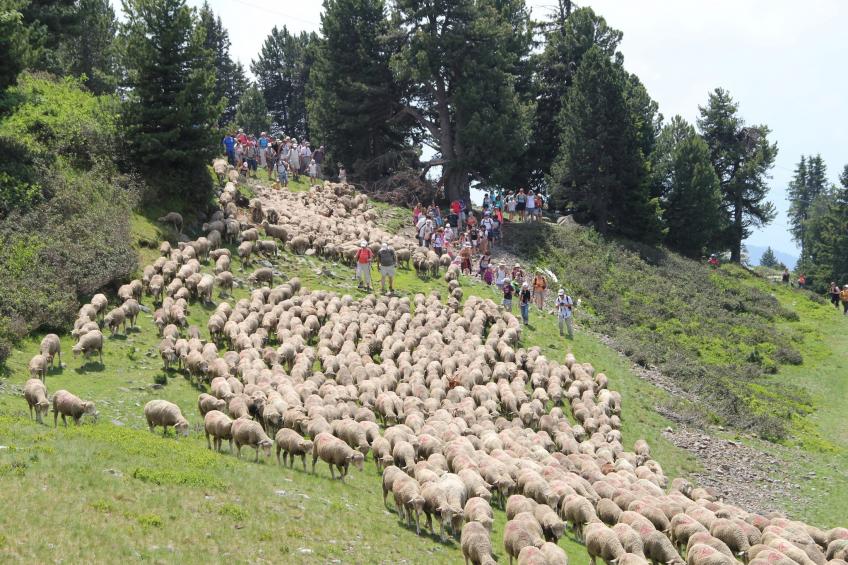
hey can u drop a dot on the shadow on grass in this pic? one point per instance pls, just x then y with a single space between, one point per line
91 367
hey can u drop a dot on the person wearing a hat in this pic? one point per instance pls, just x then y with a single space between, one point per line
508 291
388 263
318 155
465 258
540 286
524 297
501 275
834 294
363 265
262 145
843 297
518 273
564 306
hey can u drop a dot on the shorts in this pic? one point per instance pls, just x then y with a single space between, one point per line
251 164
520 206
284 177
387 271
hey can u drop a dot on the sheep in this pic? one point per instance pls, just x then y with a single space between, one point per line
701 554
520 533
408 500
630 539
115 319
602 542
67 404
552 527
173 218
88 344
219 426
250 432
131 309
335 452
51 347
204 288
530 555
35 394
263 275
476 545
165 414
659 549
291 443
478 510
38 366
436 502
206 403
554 554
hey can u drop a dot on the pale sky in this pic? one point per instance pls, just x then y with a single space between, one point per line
783 61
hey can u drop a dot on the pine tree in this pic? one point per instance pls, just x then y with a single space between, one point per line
809 182
230 79
171 110
252 114
600 168
13 42
95 55
353 96
769 259
282 71
569 36
461 59
688 188
742 158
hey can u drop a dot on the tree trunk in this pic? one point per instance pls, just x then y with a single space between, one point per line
736 244
456 184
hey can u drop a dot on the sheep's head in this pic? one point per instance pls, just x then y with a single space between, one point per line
266 444
182 427
357 459
89 409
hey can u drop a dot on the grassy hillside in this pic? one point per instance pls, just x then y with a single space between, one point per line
139 496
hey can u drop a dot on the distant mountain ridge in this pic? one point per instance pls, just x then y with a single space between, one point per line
756 251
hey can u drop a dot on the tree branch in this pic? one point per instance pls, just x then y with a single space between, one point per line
419 117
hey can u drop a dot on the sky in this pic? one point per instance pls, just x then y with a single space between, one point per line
783 61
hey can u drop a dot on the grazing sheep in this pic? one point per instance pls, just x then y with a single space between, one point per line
476 545
219 426
165 414
701 554
35 394
51 347
554 554
335 452
206 403
88 344
552 527
521 533
38 366
250 432
659 549
731 534
479 510
602 542
173 218
292 443
131 310
408 500
67 404
115 319
263 275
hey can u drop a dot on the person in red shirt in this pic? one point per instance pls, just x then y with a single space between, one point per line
363 265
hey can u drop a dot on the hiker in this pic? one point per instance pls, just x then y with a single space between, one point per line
425 233
507 295
230 147
785 276
342 174
564 305
843 296
318 156
485 261
283 173
488 227
517 273
416 213
270 160
294 161
834 294
510 207
465 258
531 206
521 204
363 265
473 235
524 298
802 281
488 275
713 262
540 285
436 214
313 172
500 275
388 263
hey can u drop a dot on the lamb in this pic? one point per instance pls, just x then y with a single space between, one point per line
38 366
165 414
51 347
334 451
115 319
173 218
206 403
291 443
602 542
219 426
250 432
67 404
88 344
35 394
476 545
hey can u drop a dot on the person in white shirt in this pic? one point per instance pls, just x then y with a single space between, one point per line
564 306
531 206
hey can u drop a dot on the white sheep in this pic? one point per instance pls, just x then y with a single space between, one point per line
88 344
35 394
250 432
66 404
51 347
219 426
165 414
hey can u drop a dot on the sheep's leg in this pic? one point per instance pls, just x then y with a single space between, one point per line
238 450
30 411
314 459
64 420
303 460
165 431
256 459
208 442
55 424
332 474
278 456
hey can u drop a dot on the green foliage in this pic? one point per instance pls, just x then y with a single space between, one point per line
601 168
13 42
769 259
171 113
461 68
252 115
687 186
230 80
282 71
742 158
353 98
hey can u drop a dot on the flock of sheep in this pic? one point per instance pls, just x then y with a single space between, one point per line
456 416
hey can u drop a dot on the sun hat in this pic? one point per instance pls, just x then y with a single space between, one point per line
385 245
518 265
363 243
561 292
526 285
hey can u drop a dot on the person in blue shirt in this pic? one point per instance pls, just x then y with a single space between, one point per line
230 146
263 145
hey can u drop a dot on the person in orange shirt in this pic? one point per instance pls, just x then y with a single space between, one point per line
540 285
363 265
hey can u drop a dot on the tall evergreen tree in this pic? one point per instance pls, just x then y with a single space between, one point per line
742 158
809 182
94 55
600 168
171 110
769 259
252 114
54 27
688 188
568 37
230 79
353 96
282 71
461 58
13 42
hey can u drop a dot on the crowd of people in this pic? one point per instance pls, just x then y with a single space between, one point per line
283 158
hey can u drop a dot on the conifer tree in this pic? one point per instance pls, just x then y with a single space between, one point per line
769 259
230 79
252 114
